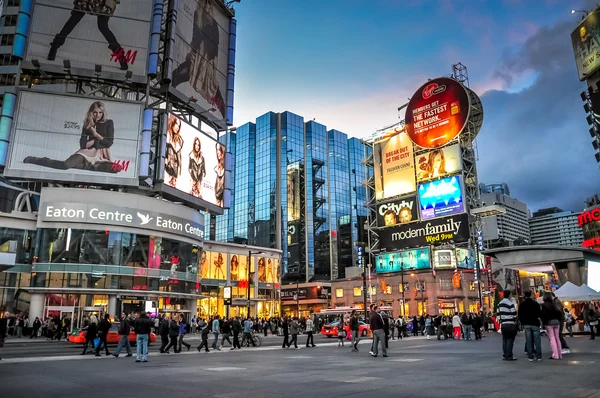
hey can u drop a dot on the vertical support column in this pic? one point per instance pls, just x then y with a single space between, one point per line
6 122
573 272
231 70
20 40
192 305
36 306
112 306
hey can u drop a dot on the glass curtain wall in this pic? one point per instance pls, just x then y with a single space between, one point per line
224 224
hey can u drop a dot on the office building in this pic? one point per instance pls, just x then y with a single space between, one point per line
494 188
554 226
507 229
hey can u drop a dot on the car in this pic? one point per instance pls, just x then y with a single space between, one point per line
331 330
77 336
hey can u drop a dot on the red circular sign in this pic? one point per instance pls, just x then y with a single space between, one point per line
437 112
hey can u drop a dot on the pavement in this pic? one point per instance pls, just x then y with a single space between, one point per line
416 367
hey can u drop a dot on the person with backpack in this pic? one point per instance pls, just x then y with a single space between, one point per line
183 329
204 331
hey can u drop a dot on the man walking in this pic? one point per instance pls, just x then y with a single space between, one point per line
236 328
354 330
204 330
103 328
507 316
530 313
163 330
376 323
124 329
216 329
37 324
248 325
142 328
226 332
294 329
310 327
182 332
286 332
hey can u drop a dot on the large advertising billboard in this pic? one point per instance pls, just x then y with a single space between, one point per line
401 211
438 163
465 258
415 259
394 167
75 139
444 259
437 113
586 45
111 33
201 54
450 229
293 192
441 198
194 162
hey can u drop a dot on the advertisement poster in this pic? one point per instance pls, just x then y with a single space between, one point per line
238 267
66 138
444 259
194 162
113 34
465 258
586 45
401 211
394 167
415 259
201 54
293 192
441 198
437 113
449 229
438 163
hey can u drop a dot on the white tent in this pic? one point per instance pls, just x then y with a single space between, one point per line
588 294
570 292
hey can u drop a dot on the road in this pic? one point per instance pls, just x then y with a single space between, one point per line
415 368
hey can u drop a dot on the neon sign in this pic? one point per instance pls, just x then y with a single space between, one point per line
593 243
589 216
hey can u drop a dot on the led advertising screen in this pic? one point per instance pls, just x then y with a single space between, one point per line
465 258
194 162
394 167
111 33
415 259
441 198
586 45
437 113
75 139
444 259
593 276
438 163
201 54
401 211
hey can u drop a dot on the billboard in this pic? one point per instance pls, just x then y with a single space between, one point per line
450 229
465 258
201 54
593 276
415 259
438 163
437 113
444 259
586 45
194 162
293 192
401 211
110 33
75 139
441 198
394 167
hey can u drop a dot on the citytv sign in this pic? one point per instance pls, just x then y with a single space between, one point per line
589 216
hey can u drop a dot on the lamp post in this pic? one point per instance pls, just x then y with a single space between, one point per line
250 253
421 289
402 276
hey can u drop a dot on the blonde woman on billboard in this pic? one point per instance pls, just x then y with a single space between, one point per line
197 168
270 277
173 152
97 136
218 263
436 165
204 266
103 10
220 172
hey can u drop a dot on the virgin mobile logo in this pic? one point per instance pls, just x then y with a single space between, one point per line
433 89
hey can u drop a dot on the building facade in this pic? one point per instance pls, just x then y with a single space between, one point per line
554 226
508 228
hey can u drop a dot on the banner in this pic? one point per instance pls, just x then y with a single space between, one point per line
401 211
415 259
450 229
586 45
194 162
439 163
444 259
465 258
441 198
437 113
75 139
293 192
87 33
394 167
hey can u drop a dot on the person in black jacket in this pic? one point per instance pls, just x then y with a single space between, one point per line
236 328
529 316
205 330
354 329
3 329
90 335
376 323
286 332
163 330
173 336
142 328
124 330
37 324
551 317
103 328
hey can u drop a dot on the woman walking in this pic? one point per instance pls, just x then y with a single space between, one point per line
551 318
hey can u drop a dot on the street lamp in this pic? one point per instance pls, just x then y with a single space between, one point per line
423 311
250 253
583 11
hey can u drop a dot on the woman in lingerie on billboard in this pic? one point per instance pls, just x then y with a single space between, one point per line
97 136
436 165
262 270
200 65
103 10
173 150
220 171
234 266
197 168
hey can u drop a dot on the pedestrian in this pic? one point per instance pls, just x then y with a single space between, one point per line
156 324
37 324
142 327
173 336
477 325
415 323
265 326
551 317
428 327
507 316
20 325
103 328
286 332
226 332
248 328
204 331
3 329
592 321
294 329
529 315
376 323
124 330
194 324
569 322
354 329
563 343
341 334
386 327
163 331
310 327
456 326
236 328
183 329
400 326
216 329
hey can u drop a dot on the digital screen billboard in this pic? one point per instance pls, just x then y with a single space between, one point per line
75 139
415 259
194 163
201 54
110 33
444 259
593 276
401 211
437 113
586 45
439 163
441 198
465 258
394 167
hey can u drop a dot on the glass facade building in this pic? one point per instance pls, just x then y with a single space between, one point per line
292 184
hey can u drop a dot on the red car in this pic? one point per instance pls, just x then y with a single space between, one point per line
331 330
78 335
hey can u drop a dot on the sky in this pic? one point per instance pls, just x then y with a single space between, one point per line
350 64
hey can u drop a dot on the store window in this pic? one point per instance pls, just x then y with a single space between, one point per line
339 293
421 308
357 291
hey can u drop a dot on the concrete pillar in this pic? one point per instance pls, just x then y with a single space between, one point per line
574 273
192 305
36 306
112 306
